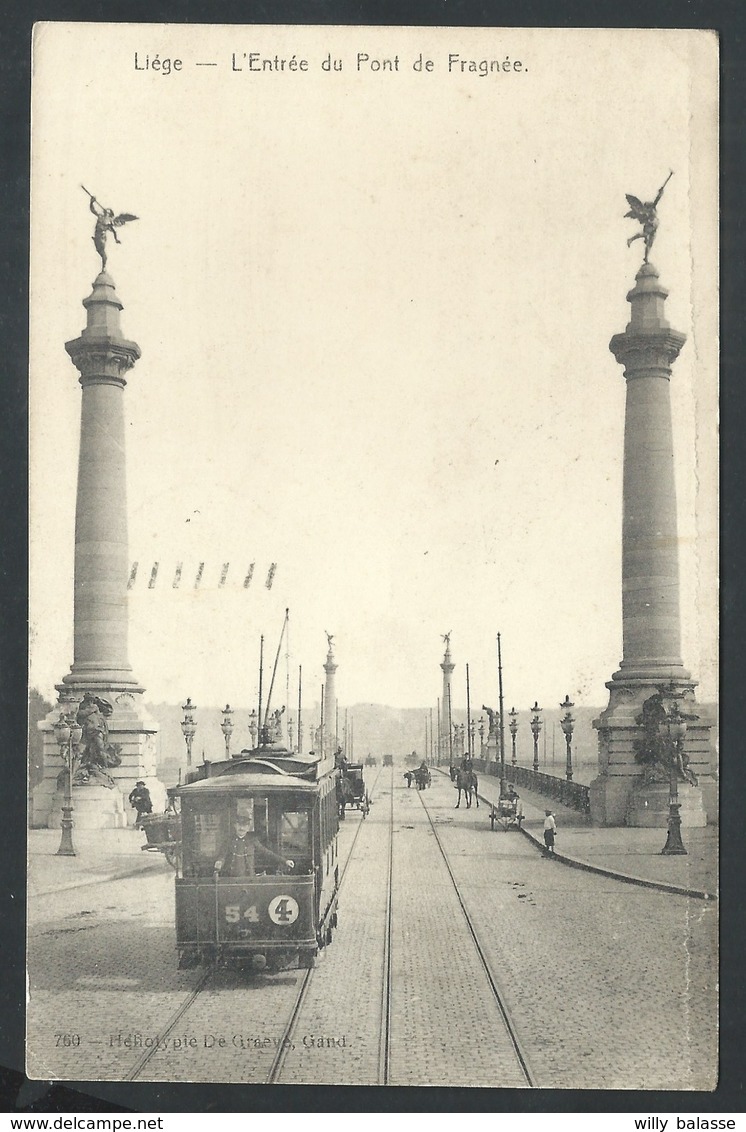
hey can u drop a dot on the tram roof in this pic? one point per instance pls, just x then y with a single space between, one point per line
241 782
263 769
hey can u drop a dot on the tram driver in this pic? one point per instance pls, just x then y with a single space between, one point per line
246 854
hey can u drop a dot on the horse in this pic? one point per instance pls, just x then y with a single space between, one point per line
345 794
466 780
422 777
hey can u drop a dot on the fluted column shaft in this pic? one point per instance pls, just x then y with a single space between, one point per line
103 357
330 704
651 627
447 666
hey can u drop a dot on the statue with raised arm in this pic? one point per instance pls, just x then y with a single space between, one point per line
492 716
645 212
446 637
276 725
329 638
106 222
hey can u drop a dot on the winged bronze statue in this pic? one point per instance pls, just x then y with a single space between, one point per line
645 212
106 222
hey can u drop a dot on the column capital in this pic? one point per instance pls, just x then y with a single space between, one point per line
647 354
101 354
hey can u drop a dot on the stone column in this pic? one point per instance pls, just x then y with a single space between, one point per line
447 667
103 357
100 652
651 634
330 704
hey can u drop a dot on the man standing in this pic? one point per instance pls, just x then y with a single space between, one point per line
140 799
550 829
246 855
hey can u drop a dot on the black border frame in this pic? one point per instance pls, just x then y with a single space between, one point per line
23 1096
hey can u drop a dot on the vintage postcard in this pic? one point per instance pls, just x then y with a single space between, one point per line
373 678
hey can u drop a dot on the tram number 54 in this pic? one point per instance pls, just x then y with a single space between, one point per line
233 914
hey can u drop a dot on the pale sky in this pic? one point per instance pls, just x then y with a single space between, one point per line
374 310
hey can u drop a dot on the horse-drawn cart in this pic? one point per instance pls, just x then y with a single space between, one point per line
163 832
507 813
359 798
371 760
351 790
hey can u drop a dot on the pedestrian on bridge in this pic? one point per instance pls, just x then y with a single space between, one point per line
550 830
140 800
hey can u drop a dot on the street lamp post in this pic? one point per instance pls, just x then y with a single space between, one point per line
188 727
672 728
68 734
536 729
513 725
227 728
567 723
481 736
291 733
252 727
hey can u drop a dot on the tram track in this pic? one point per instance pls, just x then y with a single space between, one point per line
286 1042
503 1011
384 1048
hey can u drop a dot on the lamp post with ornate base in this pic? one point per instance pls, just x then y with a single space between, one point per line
227 728
68 735
567 723
189 728
536 729
513 725
672 728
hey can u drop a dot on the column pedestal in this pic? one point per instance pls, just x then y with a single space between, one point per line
620 795
132 732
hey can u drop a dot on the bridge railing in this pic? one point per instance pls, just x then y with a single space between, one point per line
572 794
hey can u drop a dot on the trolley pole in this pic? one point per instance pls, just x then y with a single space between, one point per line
502 721
468 716
300 704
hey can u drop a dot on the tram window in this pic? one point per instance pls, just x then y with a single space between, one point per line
206 828
294 833
255 811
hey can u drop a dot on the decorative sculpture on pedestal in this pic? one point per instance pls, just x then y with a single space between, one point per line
645 212
106 222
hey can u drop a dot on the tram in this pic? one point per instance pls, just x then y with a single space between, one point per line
258 878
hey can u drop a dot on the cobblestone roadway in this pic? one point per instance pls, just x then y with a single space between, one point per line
437 1006
343 1002
610 985
102 963
445 1024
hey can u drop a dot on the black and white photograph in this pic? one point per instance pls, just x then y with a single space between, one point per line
373 556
